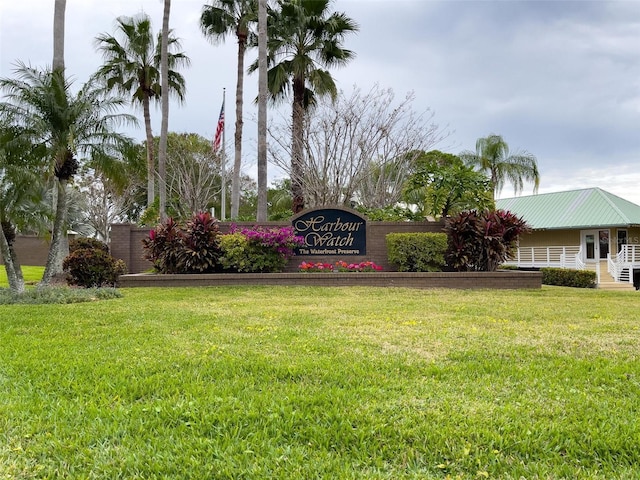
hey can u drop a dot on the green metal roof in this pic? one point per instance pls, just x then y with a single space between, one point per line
585 208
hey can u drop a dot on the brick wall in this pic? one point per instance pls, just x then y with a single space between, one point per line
507 279
126 243
30 250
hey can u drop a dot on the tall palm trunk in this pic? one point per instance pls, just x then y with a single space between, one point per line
11 264
58 34
237 161
151 164
164 128
58 247
261 215
297 153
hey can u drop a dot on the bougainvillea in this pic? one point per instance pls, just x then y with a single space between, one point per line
265 249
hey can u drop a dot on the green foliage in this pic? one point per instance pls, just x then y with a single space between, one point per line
492 156
264 249
57 295
442 185
93 267
391 213
417 252
190 248
259 259
199 250
87 243
233 248
162 245
564 277
482 241
151 215
132 60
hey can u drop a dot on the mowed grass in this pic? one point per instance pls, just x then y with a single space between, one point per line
301 383
31 274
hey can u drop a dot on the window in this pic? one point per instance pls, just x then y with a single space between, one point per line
622 238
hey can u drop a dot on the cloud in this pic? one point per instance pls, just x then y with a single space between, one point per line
560 79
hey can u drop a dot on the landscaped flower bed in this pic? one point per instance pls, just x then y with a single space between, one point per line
339 266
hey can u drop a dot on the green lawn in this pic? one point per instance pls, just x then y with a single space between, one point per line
302 383
32 275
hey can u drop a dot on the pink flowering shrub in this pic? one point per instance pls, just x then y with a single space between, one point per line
259 249
339 266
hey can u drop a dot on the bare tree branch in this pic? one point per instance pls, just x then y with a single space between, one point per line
359 148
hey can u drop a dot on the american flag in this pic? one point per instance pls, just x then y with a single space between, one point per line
217 140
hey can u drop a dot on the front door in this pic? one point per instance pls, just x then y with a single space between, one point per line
595 245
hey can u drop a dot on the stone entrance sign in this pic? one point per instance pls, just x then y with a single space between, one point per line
331 231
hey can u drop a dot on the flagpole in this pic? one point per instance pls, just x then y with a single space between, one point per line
223 200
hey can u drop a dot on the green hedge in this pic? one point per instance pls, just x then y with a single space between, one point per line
417 252
563 277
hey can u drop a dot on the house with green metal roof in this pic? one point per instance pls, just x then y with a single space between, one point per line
586 228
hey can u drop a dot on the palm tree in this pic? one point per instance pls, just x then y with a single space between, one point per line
304 38
442 185
164 127
22 194
60 125
58 34
217 20
261 213
493 158
132 66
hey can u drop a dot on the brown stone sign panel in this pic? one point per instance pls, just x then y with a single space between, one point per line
331 231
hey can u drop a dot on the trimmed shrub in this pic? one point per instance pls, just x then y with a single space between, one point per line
88 267
200 248
79 243
564 277
233 252
482 241
265 250
190 248
162 246
417 252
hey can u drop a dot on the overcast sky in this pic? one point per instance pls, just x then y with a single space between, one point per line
560 79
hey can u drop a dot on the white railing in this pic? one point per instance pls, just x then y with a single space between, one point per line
613 267
622 264
630 254
536 257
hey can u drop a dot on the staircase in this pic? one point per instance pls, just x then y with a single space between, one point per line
607 282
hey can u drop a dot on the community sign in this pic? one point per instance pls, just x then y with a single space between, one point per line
331 231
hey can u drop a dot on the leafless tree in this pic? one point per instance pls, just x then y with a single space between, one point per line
360 147
194 179
97 206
